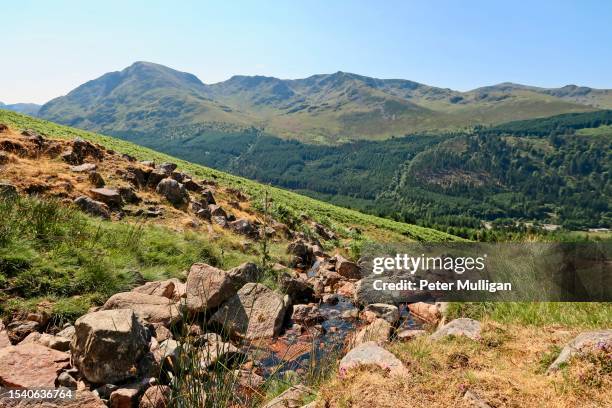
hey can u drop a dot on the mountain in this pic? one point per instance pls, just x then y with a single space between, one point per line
328 108
25 108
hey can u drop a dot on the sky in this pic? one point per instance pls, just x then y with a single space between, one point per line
51 47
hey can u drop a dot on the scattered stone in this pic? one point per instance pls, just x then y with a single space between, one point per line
191 185
48 340
31 365
217 211
93 207
167 168
96 179
219 220
216 350
126 397
173 191
19 329
108 345
148 163
254 312
323 232
378 331
371 354
157 396
203 213
82 168
291 398
346 268
244 227
208 198
153 309
583 343
108 196
384 311
410 334
459 327
307 314
207 287
303 255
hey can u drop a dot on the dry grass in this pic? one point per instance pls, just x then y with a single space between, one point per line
504 369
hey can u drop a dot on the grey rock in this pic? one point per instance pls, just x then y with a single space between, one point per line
173 191
583 343
459 327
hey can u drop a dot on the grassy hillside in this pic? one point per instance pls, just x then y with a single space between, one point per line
374 227
323 109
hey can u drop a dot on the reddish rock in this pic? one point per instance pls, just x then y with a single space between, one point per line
108 196
207 287
346 268
4 339
31 365
156 397
424 311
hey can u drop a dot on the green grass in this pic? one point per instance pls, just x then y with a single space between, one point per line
375 226
570 314
601 131
50 251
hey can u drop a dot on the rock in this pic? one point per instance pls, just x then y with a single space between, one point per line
48 340
219 220
410 334
83 148
93 207
67 332
167 350
82 168
303 255
254 312
378 331
128 195
306 314
371 354
108 345
153 309
583 343
148 163
155 176
96 179
291 398
346 268
384 311
208 198
157 396
167 168
126 397
163 288
347 290
207 287
161 332
203 213
425 311
244 227
243 274
108 196
3 128
459 327
217 211
82 399
4 338
7 190
216 350
191 185
247 380
173 191
19 329
474 400
31 365
66 380
299 290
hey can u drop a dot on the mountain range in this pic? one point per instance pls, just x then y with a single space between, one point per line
325 109
25 108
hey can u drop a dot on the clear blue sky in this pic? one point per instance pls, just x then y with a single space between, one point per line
50 47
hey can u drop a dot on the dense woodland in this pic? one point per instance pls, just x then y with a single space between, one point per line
554 170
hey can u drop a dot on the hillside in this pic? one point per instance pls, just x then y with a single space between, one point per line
328 108
25 108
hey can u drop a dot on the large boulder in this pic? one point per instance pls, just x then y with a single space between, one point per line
92 207
108 345
254 312
459 327
169 288
299 290
370 353
346 268
583 343
173 191
207 287
153 309
31 365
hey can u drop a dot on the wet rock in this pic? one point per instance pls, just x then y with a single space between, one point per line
582 344
83 168
425 311
157 396
292 398
346 268
207 287
244 227
307 314
128 195
31 365
108 345
153 309
299 290
173 191
19 329
243 274
459 327
371 354
108 196
389 313
254 312
378 331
